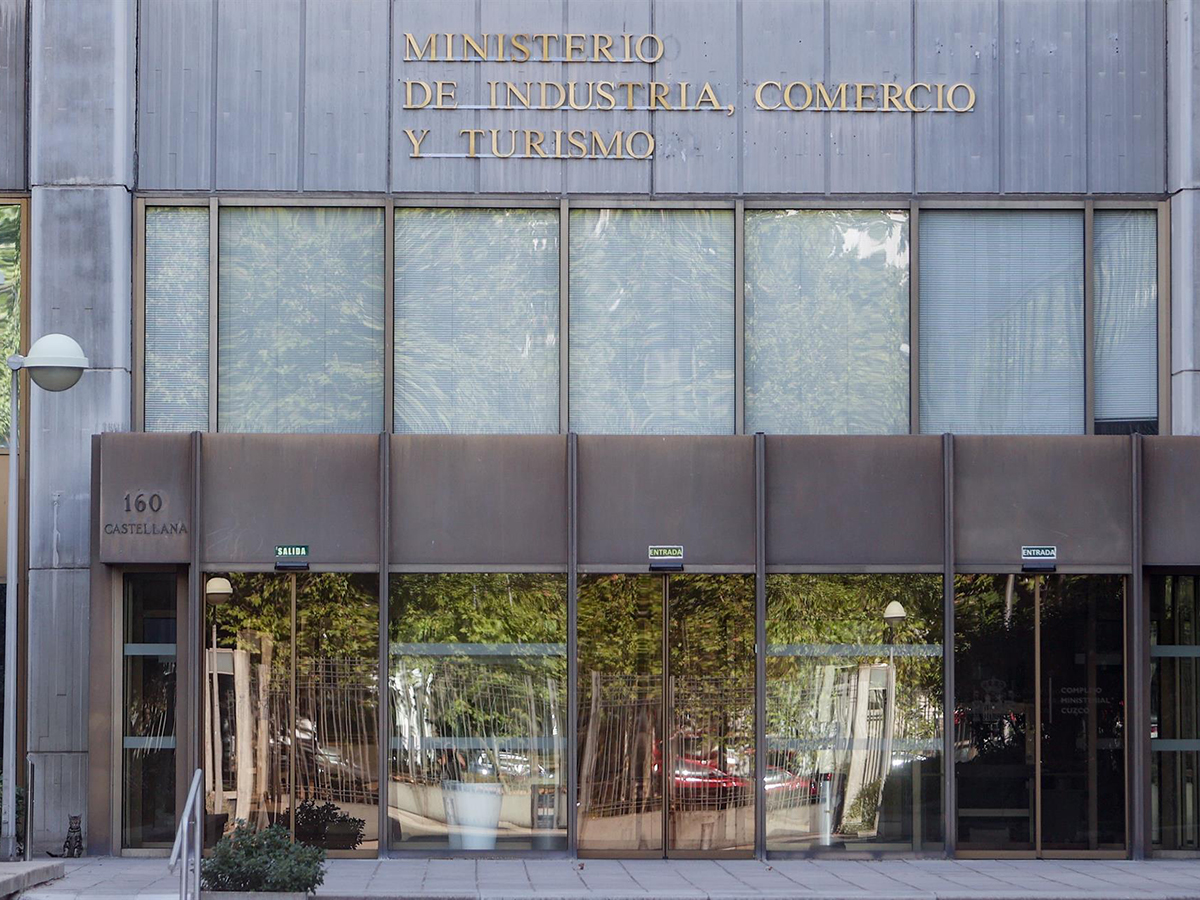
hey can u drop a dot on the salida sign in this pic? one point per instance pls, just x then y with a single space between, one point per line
527 50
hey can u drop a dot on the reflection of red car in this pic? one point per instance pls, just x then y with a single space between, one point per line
702 779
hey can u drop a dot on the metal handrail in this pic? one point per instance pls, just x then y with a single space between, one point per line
188 837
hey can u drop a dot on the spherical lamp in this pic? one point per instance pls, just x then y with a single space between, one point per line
218 590
55 362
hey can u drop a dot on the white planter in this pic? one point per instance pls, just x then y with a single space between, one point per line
472 814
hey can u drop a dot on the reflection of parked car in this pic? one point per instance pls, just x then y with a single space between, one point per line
703 781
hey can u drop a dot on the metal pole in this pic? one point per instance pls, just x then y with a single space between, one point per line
8 830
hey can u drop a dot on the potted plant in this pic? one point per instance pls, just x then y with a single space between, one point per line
327 826
249 862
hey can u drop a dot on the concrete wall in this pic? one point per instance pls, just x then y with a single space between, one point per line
1183 185
1071 96
81 174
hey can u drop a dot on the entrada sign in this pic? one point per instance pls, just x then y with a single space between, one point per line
608 96
666 553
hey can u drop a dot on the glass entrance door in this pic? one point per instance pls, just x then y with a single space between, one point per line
666 715
1039 714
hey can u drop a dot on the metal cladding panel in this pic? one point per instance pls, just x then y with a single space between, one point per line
870 151
856 501
698 151
145 498
959 41
81 270
346 95
175 95
60 783
82 92
442 168
478 500
1170 501
59 611
635 491
1185 323
609 175
1044 96
518 175
783 150
1126 65
60 479
258 95
260 490
1182 88
13 27
1071 492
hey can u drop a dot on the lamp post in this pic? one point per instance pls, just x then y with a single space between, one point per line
894 614
55 363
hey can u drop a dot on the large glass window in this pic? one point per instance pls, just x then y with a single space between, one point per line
478 691
1125 273
652 321
1002 336
176 348
10 298
300 320
476 321
854 712
827 322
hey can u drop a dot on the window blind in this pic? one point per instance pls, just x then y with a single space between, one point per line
827 322
1125 273
476 321
176 338
1001 333
300 320
652 321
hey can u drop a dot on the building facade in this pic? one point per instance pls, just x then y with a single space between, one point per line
634 428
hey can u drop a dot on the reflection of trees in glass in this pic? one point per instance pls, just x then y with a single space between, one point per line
478 676
854 706
652 336
827 322
301 319
10 299
176 365
476 340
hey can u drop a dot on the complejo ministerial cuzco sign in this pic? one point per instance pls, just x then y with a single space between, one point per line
618 95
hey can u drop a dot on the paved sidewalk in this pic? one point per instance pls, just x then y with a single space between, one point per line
566 879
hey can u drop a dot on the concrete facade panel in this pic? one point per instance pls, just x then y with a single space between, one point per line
870 152
443 167
535 176
60 430
1183 82
783 149
258 95
59 610
1043 96
81 269
175 95
603 176
1185 403
13 32
1126 60
82 92
1185 246
1170 501
60 791
697 152
1069 492
958 41
346 95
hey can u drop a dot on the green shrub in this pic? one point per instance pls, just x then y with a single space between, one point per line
327 826
267 860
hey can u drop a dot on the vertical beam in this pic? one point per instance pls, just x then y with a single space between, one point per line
1164 318
914 319
564 317
572 639
1089 319
739 311
1137 678
291 716
385 705
949 798
760 644
194 677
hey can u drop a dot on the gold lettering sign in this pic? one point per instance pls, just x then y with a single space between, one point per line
601 95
